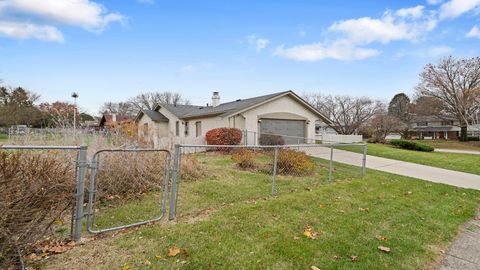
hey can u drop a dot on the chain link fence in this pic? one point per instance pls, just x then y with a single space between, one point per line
39 190
133 179
239 173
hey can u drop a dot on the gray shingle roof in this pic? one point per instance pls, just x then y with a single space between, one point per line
192 111
155 116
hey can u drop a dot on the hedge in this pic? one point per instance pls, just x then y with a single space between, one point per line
411 145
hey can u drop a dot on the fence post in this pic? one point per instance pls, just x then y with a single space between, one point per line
80 193
275 161
331 164
174 193
364 160
254 138
245 134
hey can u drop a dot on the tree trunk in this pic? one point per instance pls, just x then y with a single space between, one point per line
463 133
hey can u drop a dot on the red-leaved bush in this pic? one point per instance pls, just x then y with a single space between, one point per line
224 136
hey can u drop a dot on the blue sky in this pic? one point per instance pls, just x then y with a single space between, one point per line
112 50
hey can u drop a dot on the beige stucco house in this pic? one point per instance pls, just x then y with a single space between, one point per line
283 113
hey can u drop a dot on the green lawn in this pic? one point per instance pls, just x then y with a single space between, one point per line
3 137
447 144
229 221
457 162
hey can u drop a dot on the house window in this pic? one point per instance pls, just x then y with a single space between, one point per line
447 123
198 129
177 128
422 124
186 128
145 129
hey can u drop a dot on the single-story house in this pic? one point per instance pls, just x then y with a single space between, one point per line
283 113
434 127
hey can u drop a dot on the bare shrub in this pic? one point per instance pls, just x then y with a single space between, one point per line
129 174
291 162
191 168
36 188
245 159
271 139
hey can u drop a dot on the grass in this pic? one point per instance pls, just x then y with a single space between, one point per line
3 137
229 221
447 144
458 162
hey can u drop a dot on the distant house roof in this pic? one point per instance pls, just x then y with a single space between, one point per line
233 107
437 129
432 118
154 115
109 118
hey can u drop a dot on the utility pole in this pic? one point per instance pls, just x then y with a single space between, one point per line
74 96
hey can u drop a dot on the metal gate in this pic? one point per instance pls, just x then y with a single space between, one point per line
93 189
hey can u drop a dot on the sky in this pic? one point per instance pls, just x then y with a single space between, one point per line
111 50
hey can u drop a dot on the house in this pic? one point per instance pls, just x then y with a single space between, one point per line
283 113
109 121
434 127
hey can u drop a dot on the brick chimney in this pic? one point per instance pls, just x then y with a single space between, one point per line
215 99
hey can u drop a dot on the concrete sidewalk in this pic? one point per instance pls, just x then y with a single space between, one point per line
437 175
456 151
464 253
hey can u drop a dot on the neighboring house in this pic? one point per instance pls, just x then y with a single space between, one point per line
283 113
434 127
112 120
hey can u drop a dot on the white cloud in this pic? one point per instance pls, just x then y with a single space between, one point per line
347 39
319 51
20 30
259 43
83 13
474 32
302 33
385 29
455 8
414 12
434 2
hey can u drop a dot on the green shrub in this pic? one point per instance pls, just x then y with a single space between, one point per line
291 162
411 145
245 159
473 139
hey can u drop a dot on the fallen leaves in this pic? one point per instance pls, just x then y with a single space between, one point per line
354 258
309 232
384 249
313 267
363 209
173 251
382 238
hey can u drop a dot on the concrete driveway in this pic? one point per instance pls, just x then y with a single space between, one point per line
432 174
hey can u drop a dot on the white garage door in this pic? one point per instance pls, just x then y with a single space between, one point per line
294 128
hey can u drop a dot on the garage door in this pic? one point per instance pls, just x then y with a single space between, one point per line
294 128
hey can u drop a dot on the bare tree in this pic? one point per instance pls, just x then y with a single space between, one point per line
121 108
147 101
456 82
347 113
383 124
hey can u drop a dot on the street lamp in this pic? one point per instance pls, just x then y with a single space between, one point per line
74 96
